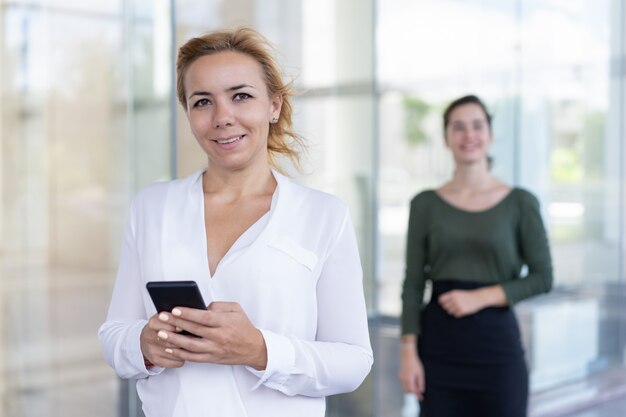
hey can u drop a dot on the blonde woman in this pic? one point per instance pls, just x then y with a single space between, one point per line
277 262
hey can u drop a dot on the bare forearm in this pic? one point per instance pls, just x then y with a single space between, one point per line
408 345
492 296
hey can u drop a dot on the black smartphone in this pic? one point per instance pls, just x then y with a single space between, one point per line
169 294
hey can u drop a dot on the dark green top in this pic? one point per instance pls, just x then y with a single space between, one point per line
489 246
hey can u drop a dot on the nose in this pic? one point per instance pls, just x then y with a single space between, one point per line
222 116
470 134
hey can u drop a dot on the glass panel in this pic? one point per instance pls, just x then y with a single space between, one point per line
570 155
61 129
544 69
150 87
66 176
340 161
415 88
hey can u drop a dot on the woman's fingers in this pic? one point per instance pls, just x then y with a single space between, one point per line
407 385
453 302
224 307
411 376
153 346
164 358
225 335
420 385
229 318
413 383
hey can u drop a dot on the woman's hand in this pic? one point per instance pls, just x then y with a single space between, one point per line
461 303
411 372
225 335
153 347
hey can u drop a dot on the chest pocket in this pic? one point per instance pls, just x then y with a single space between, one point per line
296 252
279 291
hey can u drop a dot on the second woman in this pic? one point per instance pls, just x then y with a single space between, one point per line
462 354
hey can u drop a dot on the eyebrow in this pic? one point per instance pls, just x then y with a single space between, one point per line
468 121
233 88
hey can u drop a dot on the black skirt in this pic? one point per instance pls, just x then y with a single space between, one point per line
477 357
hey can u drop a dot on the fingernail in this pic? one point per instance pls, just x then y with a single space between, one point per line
177 312
178 329
163 317
162 334
168 350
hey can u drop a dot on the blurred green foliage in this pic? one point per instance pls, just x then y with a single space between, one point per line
415 112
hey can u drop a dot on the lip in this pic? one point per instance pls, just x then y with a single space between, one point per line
229 139
470 147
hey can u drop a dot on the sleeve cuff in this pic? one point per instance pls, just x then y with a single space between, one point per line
509 292
133 350
280 361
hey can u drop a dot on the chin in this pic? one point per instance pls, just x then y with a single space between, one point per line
471 160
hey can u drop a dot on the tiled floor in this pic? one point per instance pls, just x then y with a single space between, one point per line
615 408
550 403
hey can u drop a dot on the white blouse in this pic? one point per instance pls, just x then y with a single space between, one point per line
297 275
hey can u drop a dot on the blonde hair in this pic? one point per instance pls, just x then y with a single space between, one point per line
282 140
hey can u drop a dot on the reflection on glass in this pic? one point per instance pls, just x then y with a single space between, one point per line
544 68
65 178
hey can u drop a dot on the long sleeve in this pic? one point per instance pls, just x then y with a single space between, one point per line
341 356
416 258
119 335
535 253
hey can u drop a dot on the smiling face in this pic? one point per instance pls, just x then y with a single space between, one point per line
229 109
468 134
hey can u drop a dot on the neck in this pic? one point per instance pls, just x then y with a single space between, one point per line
472 176
233 185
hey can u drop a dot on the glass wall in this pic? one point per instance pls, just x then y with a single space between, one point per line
88 116
84 122
550 74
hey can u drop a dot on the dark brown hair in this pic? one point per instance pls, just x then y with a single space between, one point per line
282 140
469 99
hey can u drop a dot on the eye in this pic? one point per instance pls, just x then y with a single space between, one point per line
241 96
201 103
479 125
458 127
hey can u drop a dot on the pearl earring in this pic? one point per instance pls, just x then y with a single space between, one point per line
274 120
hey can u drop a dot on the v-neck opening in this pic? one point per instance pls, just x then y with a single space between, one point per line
252 233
